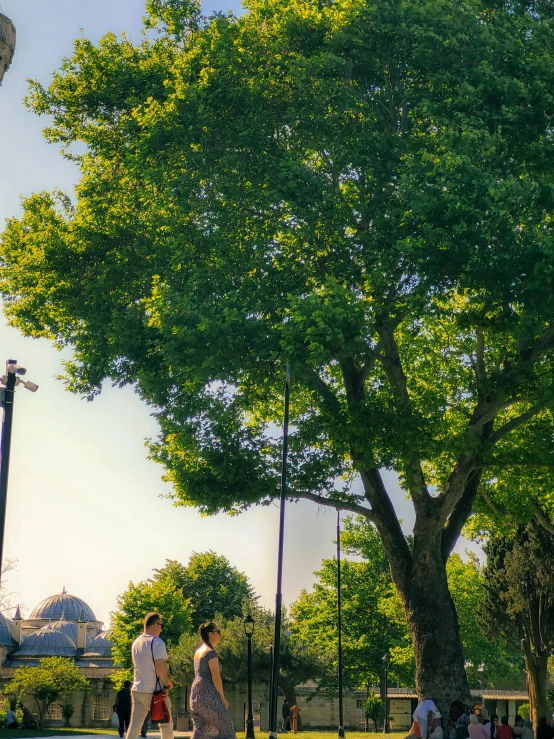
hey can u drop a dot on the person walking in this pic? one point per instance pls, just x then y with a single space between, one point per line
476 729
285 713
494 725
123 707
149 662
208 705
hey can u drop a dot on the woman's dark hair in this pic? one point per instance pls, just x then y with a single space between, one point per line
204 631
462 732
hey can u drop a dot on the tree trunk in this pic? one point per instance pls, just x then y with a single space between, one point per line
288 689
433 624
537 672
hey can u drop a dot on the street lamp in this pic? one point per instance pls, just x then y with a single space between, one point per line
386 662
249 630
10 380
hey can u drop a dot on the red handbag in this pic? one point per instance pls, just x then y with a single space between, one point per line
159 712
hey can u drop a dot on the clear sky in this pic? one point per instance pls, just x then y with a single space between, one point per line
85 506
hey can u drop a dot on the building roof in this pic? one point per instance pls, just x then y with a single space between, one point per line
6 632
47 642
64 606
69 628
102 644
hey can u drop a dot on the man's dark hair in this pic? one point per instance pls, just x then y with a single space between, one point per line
127 684
151 618
504 720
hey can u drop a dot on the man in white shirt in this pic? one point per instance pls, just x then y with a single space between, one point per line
149 657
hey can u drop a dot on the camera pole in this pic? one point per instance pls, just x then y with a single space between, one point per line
7 397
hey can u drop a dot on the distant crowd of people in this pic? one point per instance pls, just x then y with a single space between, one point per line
473 722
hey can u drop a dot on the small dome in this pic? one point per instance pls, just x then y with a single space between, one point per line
6 632
47 642
64 606
102 644
69 628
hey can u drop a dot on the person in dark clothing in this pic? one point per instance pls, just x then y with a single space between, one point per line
285 713
494 725
544 730
123 707
145 726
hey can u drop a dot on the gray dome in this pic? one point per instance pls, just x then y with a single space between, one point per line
69 628
48 642
102 644
63 606
6 632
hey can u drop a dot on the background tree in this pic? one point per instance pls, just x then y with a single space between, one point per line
374 620
211 585
160 595
519 602
375 710
373 206
54 679
298 662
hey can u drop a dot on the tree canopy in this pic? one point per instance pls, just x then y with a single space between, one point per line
360 188
211 584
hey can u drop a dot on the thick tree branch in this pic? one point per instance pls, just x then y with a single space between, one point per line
543 520
324 390
399 385
460 514
480 367
334 503
388 525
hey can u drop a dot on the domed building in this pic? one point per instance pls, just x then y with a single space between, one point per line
63 625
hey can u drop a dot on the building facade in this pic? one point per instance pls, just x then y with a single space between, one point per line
7 44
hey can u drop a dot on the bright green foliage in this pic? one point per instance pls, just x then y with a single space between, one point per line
492 662
374 622
372 618
162 596
362 188
55 678
211 585
375 710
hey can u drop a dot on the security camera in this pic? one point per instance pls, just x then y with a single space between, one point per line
30 386
13 368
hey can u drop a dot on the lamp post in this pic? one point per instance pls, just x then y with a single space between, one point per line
279 593
386 662
10 380
249 630
339 631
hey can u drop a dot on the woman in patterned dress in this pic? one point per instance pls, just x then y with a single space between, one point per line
208 706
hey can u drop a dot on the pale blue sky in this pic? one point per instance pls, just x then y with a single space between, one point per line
84 507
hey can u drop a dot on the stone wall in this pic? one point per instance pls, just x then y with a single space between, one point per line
7 44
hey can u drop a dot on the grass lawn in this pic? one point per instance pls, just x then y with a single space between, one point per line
27 733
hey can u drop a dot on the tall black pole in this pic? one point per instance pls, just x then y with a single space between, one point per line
6 441
386 693
279 594
339 629
250 717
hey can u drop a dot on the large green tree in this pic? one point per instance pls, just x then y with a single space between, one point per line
361 188
519 602
54 679
138 600
210 583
